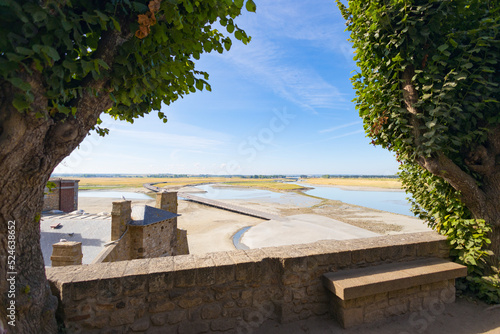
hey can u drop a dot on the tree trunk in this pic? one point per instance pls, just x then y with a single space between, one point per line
22 263
25 171
30 148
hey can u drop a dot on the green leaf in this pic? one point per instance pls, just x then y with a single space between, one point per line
239 3
103 64
443 47
19 83
51 52
250 6
24 51
116 24
20 102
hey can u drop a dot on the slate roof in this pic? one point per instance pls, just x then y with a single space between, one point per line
143 215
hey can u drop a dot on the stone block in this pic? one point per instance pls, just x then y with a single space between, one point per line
185 278
223 325
296 264
225 274
350 317
139 267
161 306
358 256
158 319
121 317
189 302
205 276
140 325
291 279
430 248
212 311
134 285
161 265
396 309
373 315
175 317
84 289
160 282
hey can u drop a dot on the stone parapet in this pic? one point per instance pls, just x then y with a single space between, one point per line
227 292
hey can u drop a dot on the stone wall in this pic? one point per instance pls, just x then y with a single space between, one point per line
231 292
119 251
153 240
50 199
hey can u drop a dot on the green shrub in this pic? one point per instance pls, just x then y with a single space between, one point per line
436 202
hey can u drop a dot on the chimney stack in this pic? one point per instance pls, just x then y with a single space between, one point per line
120 216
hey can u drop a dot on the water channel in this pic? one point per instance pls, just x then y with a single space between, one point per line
391 201
112 194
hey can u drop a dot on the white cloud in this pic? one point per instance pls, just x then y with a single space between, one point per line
268 61
335 128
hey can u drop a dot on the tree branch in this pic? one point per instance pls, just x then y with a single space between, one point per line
410 97
472 196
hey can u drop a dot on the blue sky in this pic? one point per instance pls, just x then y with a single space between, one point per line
279 105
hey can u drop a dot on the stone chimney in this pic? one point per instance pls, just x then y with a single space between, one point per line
66 253
167 201
120 216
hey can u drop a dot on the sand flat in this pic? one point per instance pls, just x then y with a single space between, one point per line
301 229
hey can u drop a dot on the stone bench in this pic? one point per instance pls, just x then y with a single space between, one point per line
365 295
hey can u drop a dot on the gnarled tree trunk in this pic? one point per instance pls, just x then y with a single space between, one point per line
30 148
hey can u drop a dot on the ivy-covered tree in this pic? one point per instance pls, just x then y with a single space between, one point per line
62 64
428 88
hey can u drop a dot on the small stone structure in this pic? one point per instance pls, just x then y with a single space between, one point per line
144 231
63 197
234 291
364 295
66 253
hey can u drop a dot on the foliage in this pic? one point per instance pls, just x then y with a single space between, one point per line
50 186
60 40
452 49
468 239
432 199
486 288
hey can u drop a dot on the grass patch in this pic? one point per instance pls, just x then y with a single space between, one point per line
358 182
137 182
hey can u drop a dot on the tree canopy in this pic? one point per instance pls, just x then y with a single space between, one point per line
158 42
